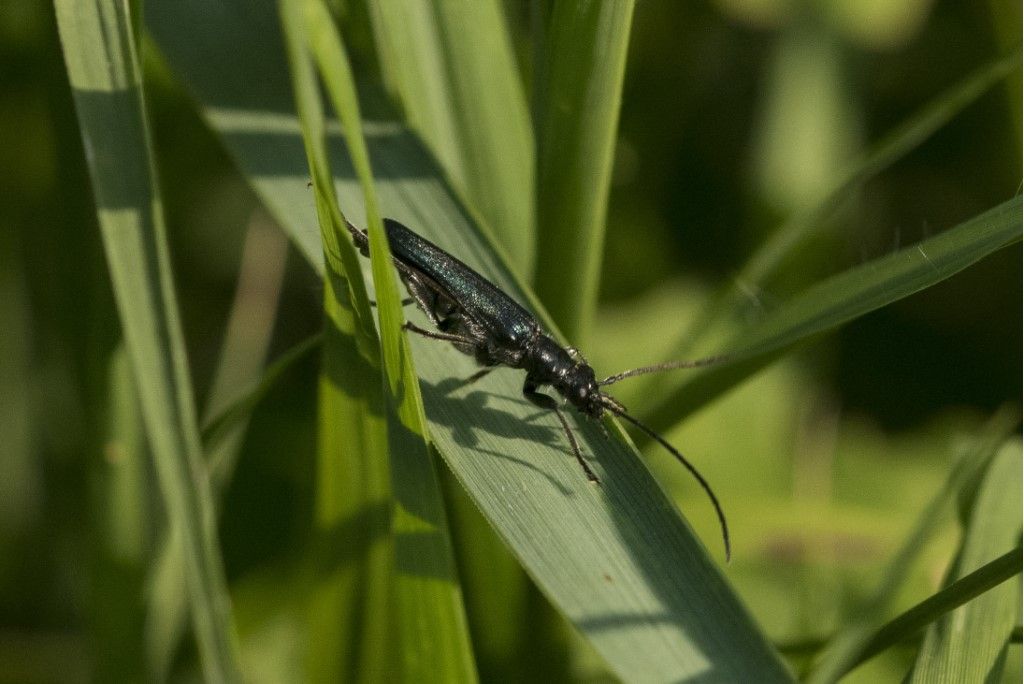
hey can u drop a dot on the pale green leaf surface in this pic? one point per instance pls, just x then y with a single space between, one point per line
581 63
430 619
616 560
450 65
103 69
968 645
842 298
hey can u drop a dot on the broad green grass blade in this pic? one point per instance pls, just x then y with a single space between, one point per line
786 241
848 647
844 297
451 66
957 594
968 645
103 68
431 623
617 560
580 64
350 614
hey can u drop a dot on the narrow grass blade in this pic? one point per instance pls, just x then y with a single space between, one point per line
578 88
222 426
247 336
968 645
842 298
103 67
786 241
957 594
350 613
432 630
847 648
617 561
451 66
243 352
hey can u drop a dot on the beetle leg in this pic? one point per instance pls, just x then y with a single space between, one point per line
478 375
454 339
546 402
405 302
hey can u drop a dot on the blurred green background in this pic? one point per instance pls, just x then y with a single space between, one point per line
735 114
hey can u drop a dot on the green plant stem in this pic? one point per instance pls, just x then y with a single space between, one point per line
581 65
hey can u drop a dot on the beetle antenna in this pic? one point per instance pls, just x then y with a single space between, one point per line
669 365
619 410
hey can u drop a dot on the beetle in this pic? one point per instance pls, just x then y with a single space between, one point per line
481 320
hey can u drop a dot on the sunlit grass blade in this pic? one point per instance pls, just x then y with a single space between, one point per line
968 644
617 561
849 646
430 620
960 592
451 67
580 63
787 240
103 68
349 606
842 298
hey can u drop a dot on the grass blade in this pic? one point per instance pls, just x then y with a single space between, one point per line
103 68
618 562
968 645
842 298
430 618
350 605
222 426
450 65
225 421
958 593
580 69
847 648
728 304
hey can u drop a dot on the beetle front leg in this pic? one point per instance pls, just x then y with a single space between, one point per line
545 402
